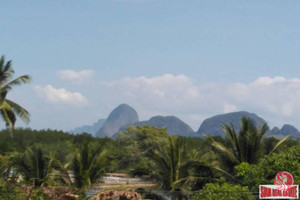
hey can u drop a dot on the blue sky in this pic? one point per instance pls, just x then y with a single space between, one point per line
191 58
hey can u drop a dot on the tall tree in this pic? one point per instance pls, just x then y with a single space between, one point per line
246 146
34 165
9 110
169 160
88 165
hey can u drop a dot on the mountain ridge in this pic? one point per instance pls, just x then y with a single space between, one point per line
174 125
124 116
91 129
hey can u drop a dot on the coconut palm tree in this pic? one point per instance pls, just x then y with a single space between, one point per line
180 169
34 165
246 146
9 110
88 166
169 160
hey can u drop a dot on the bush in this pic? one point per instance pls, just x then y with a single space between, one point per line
223 191
264 172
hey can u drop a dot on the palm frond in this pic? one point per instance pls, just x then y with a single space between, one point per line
19 110
8 117
6 70
5 117
18 81
87 165
279 143
34 165
224 150
230 132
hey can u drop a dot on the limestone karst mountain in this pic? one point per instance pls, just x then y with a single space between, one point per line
213 125
119 117
286 129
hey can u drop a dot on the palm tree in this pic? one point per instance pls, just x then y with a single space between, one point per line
169 160
34 165
246 146
9 109
88 166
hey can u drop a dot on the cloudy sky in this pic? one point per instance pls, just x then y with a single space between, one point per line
192 59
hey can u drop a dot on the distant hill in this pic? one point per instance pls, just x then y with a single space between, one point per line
91 129
174 125
124 115
119 117
284 131
213 125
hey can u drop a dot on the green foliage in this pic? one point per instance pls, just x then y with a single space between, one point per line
201 169
251 176
168 160
12 192
25 138
34 165
169 168
143 138
5 167
52 139
264 172
269 143
178 164
223 191
134 144
246 146
9 188
87 165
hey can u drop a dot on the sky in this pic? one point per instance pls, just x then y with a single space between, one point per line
193 59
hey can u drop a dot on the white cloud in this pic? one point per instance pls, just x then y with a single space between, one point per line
230 108
276 99
276 95
179 95
287 109
167 91
76 76
266 81
60 96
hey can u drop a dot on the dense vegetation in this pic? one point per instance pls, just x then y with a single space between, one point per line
182 166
